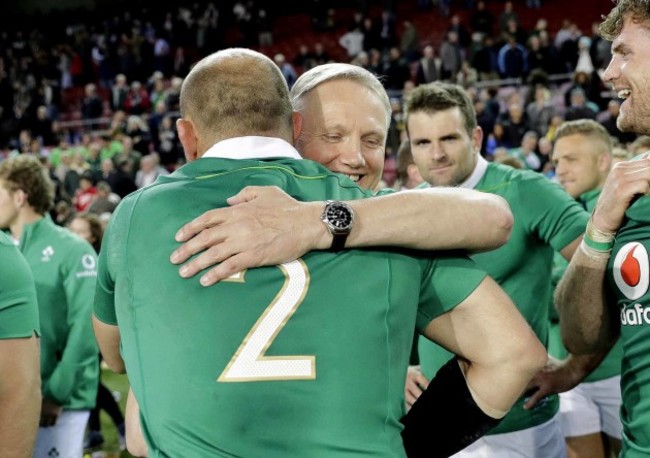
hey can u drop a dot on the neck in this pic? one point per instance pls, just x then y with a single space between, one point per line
26 216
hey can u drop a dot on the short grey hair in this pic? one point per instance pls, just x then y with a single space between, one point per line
320 74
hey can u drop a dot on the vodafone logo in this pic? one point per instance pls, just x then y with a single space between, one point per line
631 270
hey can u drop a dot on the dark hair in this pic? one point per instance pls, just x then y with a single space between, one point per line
437 96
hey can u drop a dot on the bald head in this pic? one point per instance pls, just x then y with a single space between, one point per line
234 93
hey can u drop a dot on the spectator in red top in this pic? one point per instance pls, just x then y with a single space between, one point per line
85 194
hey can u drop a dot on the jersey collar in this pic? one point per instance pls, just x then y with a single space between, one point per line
476 175
252 147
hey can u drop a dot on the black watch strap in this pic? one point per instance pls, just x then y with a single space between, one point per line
338 242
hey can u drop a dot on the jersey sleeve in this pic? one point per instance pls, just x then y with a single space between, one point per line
111 255
79 357
104 304
18 305
449 279
550 212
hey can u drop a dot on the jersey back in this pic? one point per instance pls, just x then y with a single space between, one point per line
303 359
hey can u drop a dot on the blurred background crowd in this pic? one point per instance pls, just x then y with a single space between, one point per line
95 96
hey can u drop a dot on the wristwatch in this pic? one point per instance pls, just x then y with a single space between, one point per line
339 218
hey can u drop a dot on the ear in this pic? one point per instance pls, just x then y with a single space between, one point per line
604 162
20 198
477 139
187 137
413 173
297 125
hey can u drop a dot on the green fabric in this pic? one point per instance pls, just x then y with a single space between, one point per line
357 316
18 307
64 269
632 305
545 219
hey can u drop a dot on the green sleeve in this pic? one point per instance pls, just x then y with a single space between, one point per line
550 212
449 280
80 354
115 238
18 305
104 304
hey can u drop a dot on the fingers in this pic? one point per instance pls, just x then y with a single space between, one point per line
415 384
217 216
535 398
409 400
207 258
411 393
245 195
231 266
206 220
207 238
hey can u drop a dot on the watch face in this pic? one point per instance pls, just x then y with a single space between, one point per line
339 216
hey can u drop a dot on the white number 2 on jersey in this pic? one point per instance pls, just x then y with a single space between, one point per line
249 363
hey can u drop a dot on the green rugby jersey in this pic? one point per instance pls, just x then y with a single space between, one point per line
65 271
18 308
627 287
545 219
303 359
611 365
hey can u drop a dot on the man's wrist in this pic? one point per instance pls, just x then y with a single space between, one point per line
320 237
596 239
599 225
338 218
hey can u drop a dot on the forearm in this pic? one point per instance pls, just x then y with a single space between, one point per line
20 398
108 339
586 323
500 352
19 418
432 219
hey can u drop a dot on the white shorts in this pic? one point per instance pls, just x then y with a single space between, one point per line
591 408
542 441
64 439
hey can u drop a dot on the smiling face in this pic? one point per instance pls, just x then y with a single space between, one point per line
443 150
629 75
344 129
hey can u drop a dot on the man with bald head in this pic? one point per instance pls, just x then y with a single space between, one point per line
289 360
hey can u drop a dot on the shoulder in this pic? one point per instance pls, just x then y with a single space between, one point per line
5 241
521 185
518 176
13 263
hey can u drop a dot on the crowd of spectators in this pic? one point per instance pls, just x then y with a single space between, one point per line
126 69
